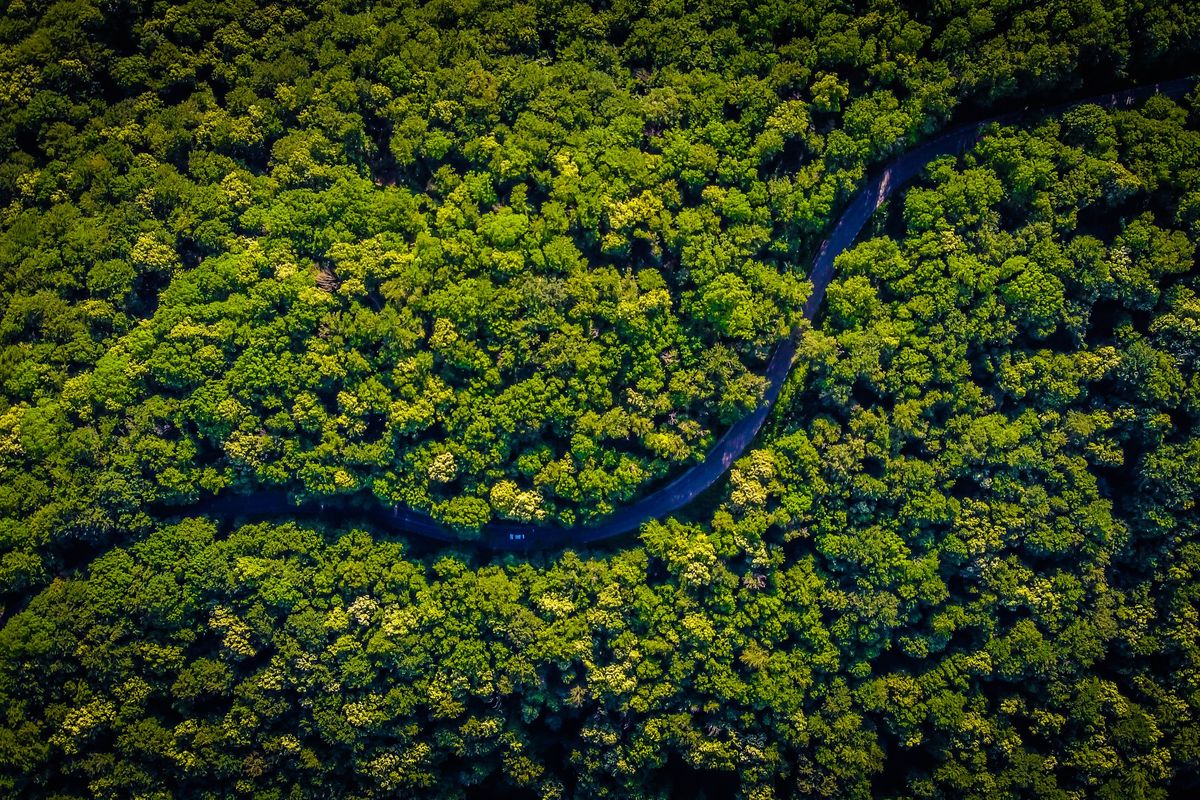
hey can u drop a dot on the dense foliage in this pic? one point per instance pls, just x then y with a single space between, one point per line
483 259
965 565
523 261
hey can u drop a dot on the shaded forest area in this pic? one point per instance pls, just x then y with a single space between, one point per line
524 261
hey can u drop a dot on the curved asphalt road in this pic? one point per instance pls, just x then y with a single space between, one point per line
506 535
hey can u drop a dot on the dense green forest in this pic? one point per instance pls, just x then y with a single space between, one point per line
526 261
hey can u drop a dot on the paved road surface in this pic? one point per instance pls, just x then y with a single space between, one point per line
504 535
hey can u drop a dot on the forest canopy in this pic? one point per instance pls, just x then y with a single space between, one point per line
964 563
488 260
526 261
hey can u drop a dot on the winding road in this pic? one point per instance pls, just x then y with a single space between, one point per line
506 535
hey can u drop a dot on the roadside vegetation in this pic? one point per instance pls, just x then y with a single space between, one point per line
526 261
